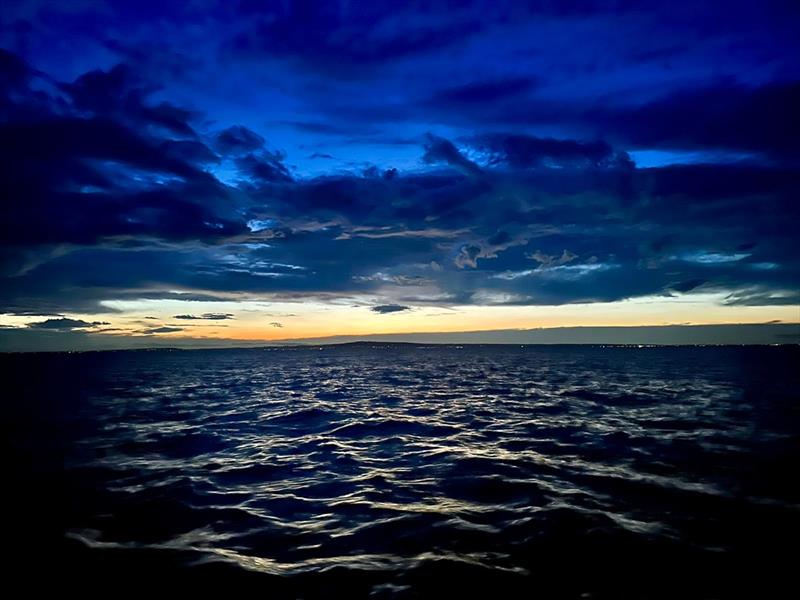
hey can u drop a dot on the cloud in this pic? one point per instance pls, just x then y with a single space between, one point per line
687 285
552 260
114 175
718 116
205 317
65 324
485 91
468 256
440 150
276 324
118 93
761 296
403 280
104 150
165 329
322 39
264 167
385 309
238 140
14 71
524 151
105 203
337 234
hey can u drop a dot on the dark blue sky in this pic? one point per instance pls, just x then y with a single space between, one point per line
396 159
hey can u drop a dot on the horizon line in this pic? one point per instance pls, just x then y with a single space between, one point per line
717 334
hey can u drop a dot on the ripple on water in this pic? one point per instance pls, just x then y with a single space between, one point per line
393 472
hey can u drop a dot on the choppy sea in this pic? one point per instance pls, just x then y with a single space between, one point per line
406 471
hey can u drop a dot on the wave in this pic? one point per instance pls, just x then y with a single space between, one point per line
397 473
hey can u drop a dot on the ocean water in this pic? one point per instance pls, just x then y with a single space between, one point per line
395 471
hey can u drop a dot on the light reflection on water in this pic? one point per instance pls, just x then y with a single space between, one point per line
401 466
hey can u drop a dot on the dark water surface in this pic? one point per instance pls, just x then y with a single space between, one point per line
408 472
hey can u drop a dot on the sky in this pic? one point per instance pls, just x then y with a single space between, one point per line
238 172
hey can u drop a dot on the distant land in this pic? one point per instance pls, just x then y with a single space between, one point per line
767 333
27 340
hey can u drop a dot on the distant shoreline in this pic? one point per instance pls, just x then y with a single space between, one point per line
388 345
740 334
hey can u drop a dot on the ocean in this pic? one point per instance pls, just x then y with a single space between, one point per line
406 471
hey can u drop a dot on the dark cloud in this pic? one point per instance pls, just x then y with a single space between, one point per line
119 94
65 323
238 140
165 329
687 285
84 173
14 72
205 317
330 38
725 116
440 150
523 151
322 128
276 324
385 309
485 91
189 151
264 167
373 171
74 138
548 236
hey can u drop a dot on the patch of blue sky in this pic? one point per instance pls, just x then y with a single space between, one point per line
655 158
